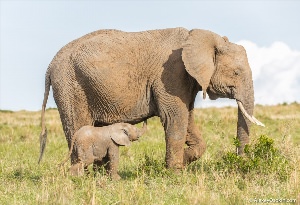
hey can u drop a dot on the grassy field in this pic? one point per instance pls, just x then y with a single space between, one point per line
144 178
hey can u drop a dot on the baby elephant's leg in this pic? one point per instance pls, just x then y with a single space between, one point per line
85 158
113 155
77 169
88 160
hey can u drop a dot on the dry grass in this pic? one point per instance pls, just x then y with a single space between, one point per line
144 178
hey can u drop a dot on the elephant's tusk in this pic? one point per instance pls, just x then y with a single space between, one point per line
240 104
250 118
258 122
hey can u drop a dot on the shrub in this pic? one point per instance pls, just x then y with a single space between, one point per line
260 158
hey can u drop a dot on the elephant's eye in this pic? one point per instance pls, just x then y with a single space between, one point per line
125 132
236 72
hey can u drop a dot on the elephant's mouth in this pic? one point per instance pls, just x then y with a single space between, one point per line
227 93
246 115
213 95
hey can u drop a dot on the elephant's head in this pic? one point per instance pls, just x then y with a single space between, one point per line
222 70
124 133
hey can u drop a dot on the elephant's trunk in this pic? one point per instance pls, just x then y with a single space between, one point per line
243 129
245 118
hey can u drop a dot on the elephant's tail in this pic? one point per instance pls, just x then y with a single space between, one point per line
43 135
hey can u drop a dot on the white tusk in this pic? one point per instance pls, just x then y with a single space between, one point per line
258 122
245 112
250 118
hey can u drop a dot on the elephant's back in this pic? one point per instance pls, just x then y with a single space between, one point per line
113 36
114 49
66 50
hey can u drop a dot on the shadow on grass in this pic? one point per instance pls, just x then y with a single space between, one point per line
23 174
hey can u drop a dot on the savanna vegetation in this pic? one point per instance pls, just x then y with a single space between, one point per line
270 169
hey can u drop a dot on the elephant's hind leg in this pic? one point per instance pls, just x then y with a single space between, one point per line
195 142
74 114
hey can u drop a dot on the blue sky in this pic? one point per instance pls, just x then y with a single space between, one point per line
31 32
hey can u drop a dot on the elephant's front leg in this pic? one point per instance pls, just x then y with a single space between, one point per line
174 153
195 142
113 163
175 142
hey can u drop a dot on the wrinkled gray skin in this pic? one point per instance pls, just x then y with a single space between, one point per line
100 145
110 76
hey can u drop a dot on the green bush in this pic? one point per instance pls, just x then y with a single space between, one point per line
260 158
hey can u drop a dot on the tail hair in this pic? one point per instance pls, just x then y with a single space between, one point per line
43 135
43 141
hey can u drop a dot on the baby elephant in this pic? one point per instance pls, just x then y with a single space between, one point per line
100 145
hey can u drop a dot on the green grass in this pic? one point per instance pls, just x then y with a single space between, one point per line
219 177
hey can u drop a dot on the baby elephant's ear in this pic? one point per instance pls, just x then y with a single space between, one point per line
120 136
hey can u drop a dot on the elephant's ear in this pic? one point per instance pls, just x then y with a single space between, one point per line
199 54
120 136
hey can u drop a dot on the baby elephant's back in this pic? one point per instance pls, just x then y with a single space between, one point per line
90 136
85 133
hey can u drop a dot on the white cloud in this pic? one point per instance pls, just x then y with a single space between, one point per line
276 74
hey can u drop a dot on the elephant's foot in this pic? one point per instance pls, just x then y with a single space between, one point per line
193 152
174 154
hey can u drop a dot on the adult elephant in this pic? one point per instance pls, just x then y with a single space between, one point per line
111 76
